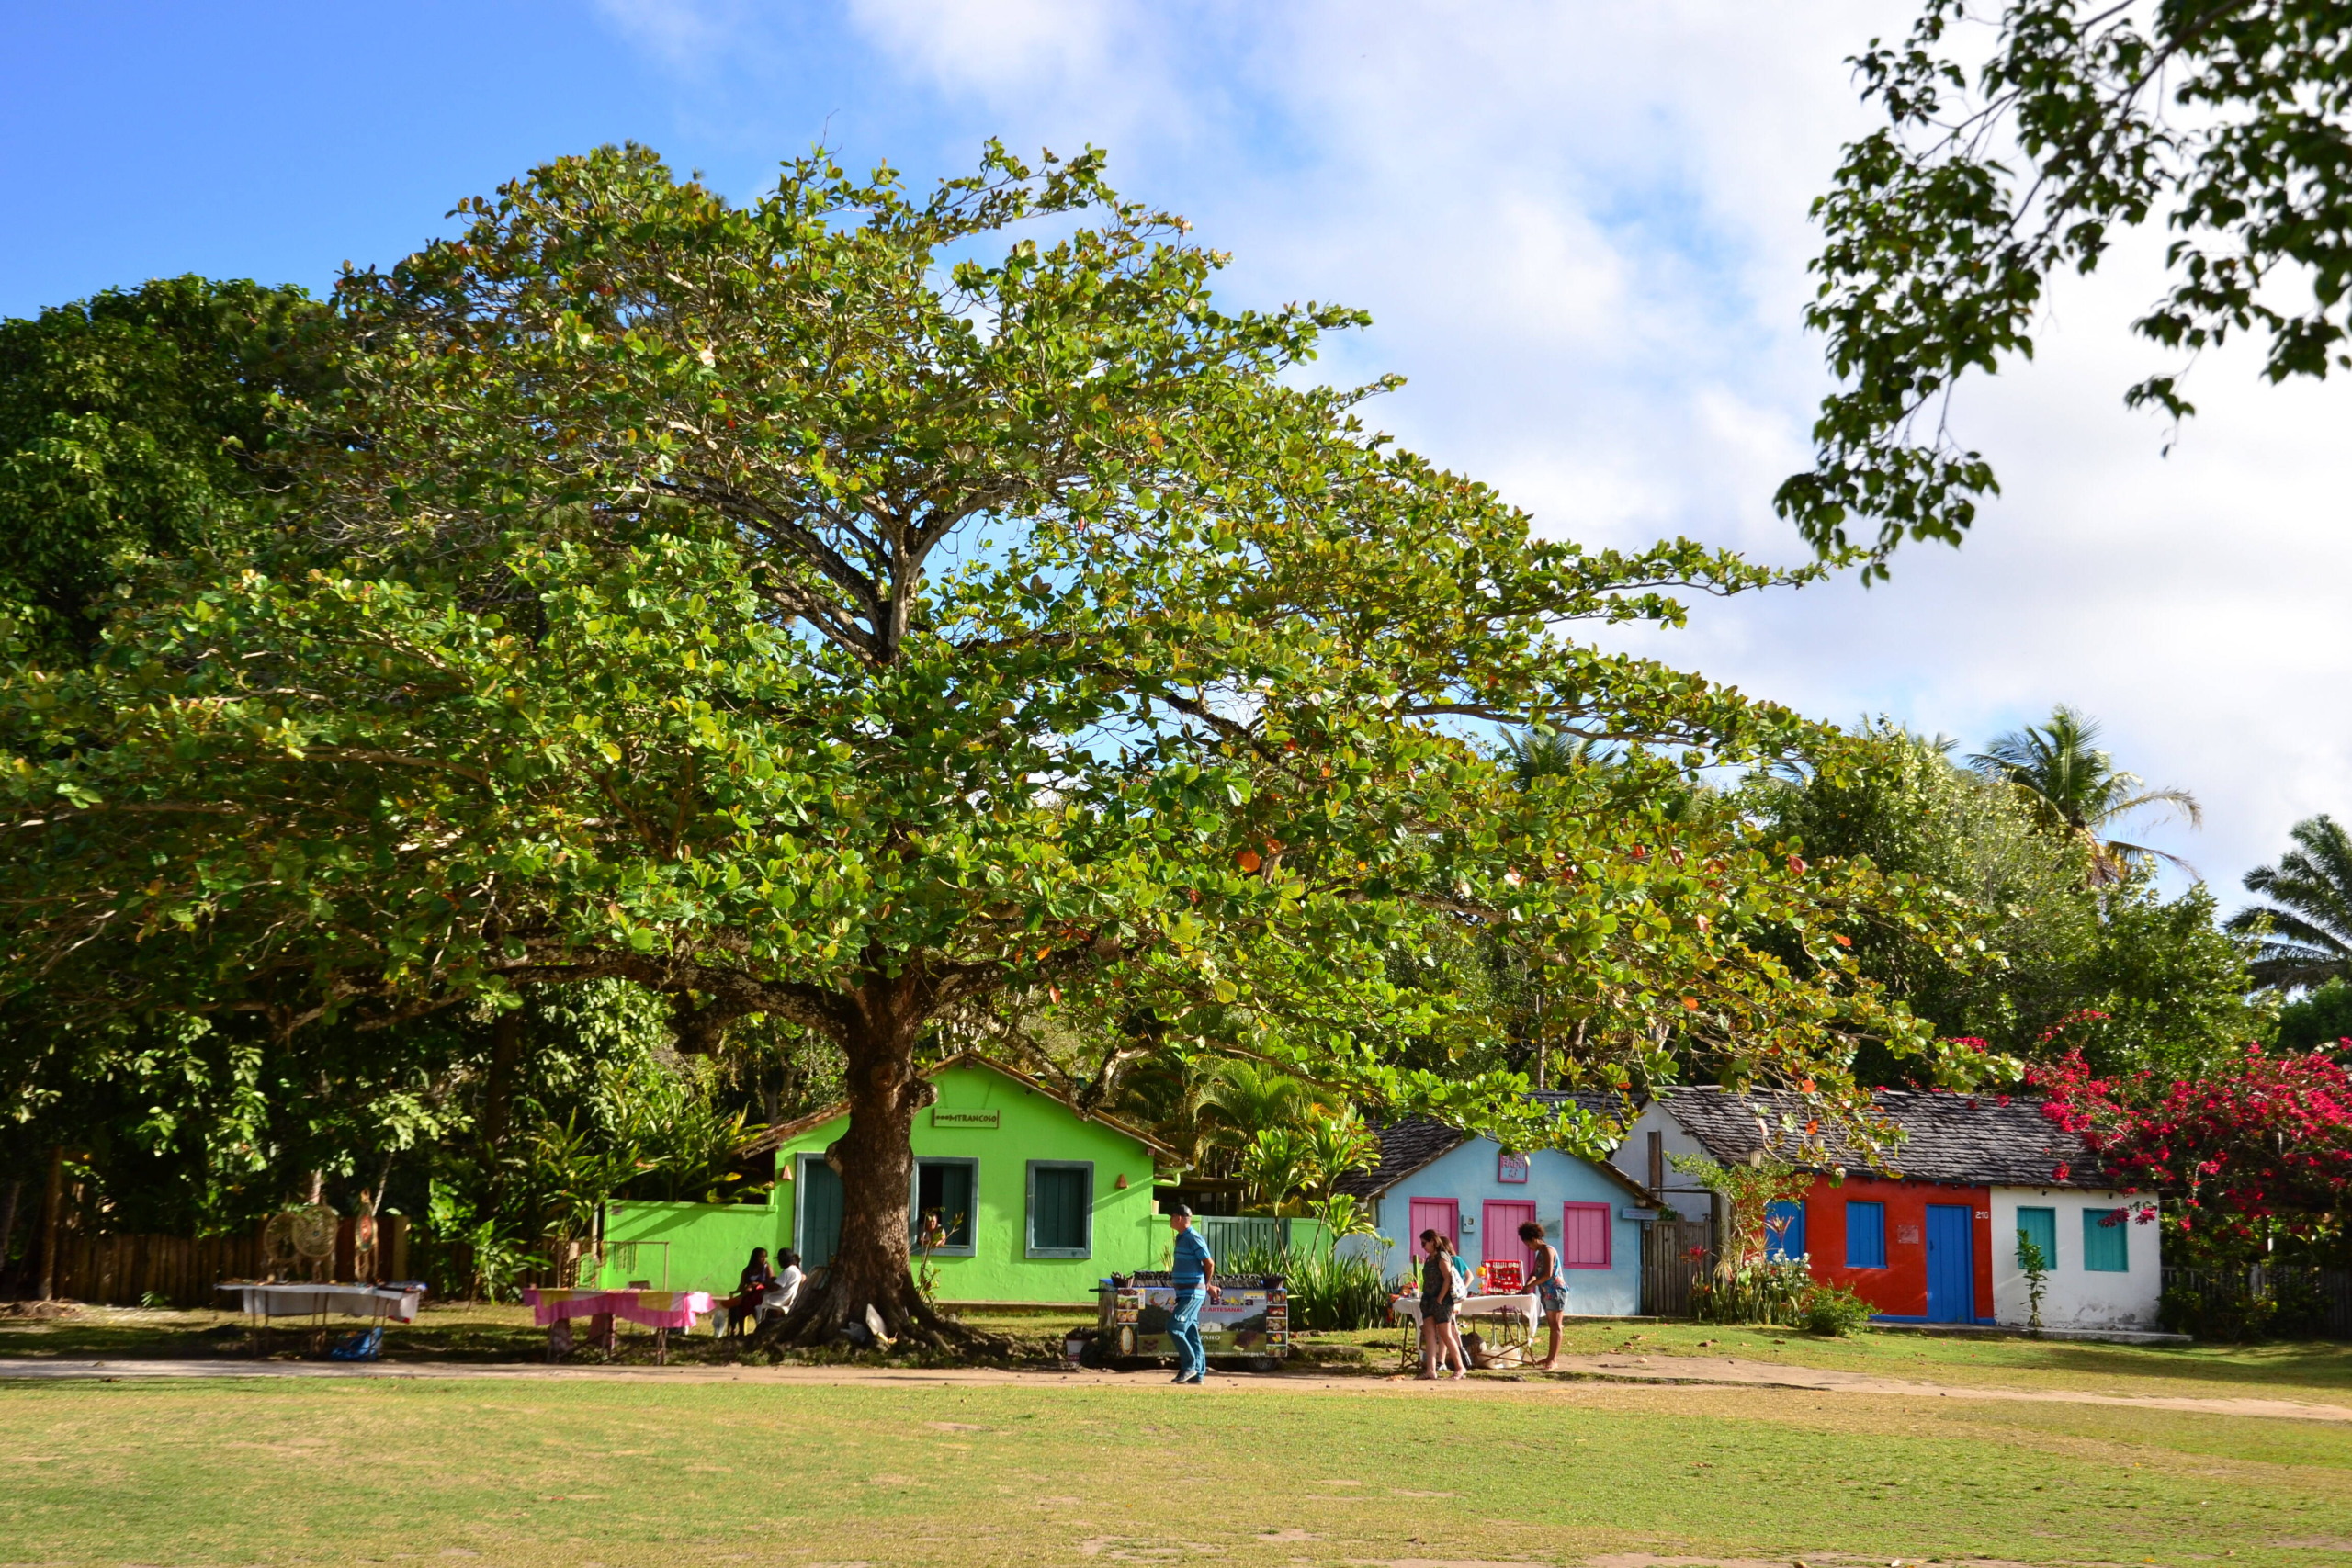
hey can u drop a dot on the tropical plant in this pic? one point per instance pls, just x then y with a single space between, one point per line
1243 1099
1276 1163
2076 789
1338 1143
2034 1264
1342 1215
2306 922
2221 122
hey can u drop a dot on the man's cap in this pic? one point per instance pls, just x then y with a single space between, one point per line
1182 1211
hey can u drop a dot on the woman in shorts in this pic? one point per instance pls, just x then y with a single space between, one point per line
1440 1298
1551 1286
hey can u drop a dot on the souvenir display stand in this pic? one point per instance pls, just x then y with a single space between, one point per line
1250 1316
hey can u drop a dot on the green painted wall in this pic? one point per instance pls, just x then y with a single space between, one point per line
709 1243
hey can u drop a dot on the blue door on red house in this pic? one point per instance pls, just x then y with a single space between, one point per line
1952 1264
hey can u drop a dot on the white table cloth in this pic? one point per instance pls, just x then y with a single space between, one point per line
313 1301
1526 1307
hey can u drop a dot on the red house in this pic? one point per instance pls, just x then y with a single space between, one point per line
1914 1237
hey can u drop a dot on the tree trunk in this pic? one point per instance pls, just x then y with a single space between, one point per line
8 1221
871 1269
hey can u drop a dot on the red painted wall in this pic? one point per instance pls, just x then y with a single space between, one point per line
1899 1290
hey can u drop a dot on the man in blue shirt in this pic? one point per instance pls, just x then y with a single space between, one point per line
1193 1274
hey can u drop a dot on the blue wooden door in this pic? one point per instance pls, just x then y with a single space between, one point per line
1952 1264
820 1212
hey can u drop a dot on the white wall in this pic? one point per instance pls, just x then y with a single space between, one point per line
1681 1193
2075 1297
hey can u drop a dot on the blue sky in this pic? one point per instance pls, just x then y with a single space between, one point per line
1581 229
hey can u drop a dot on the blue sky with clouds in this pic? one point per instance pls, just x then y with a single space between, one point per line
1580 228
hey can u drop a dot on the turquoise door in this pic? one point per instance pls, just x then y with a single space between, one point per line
1952 1264
820 1231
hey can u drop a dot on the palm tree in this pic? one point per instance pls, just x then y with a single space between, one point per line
2076 789
2309 936
1247 1099
1540 752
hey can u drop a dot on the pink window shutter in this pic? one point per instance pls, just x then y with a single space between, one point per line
1584 1235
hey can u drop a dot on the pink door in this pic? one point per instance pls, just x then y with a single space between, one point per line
1500 1220
1439 1214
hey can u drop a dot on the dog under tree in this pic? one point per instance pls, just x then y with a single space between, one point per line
797 611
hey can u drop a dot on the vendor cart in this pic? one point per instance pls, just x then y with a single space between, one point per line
1250 1316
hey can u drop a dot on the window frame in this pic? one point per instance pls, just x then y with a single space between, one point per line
1029 1210
2094 1223
1878 1208
914 1205
2048 1211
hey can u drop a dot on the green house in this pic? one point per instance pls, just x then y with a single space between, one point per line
1039 1198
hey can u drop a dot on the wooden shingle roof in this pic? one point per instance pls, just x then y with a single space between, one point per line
1978 1140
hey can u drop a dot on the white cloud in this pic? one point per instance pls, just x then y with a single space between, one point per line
1581 228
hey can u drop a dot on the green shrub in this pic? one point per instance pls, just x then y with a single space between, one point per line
1327 1291
1834 1310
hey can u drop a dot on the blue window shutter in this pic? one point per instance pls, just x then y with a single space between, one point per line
1785 1231
2107 1241
1865 1234
2040 1226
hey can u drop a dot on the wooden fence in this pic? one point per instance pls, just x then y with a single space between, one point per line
1676 1255
2324 1294
182 1271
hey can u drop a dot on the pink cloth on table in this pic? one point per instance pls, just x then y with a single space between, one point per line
654 1309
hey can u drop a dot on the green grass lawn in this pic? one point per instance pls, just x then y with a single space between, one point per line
601 1475
2317 1371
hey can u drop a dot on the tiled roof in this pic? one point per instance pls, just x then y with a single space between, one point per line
1405 1147
1977 1139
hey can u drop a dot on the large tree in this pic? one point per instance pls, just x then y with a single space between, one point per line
842 609
2020 151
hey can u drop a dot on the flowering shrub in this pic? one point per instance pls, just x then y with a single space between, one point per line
2268 1142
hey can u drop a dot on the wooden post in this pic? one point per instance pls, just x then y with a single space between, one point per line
395 1245
51 1204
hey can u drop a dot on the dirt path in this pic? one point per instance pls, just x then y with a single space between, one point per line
1716 1370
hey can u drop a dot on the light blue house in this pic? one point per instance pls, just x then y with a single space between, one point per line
1434 1176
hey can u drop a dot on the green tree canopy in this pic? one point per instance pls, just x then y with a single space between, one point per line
2223 121
137 422
851 610
2136 980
